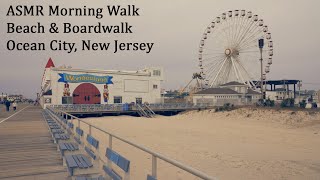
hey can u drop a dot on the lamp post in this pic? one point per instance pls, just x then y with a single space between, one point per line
261 44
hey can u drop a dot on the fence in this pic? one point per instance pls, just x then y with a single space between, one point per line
154 155
125 107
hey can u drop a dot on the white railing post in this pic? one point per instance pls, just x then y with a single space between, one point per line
154 166
109 162
110 141
78 135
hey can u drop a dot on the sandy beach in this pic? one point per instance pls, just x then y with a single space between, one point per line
242 144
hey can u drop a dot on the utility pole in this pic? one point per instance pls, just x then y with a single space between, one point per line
299 86
261 44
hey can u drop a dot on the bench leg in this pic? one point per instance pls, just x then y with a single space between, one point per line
64 163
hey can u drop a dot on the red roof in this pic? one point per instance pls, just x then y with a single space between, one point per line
50 63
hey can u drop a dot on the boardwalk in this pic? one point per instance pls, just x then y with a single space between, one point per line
26 148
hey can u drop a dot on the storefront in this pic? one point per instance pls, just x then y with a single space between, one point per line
79 86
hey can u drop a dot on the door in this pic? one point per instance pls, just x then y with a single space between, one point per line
86 93
138 100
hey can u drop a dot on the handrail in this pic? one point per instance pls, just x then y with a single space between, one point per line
155 155
150 110
144 113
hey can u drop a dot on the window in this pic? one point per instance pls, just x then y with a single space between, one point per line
138 100
155 86
156 72
67 100
117 100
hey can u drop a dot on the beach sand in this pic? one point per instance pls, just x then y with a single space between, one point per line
241 144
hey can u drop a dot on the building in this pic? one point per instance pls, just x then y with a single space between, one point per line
17 98
233 92
280 94
316 96
3 97
65 85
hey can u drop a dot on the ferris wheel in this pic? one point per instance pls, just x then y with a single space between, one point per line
229 50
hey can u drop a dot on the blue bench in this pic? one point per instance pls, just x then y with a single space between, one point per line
54 127
90 153
70 125
92 141
89 178
69 132
149 177
64 120
67 146
77 140
50 120
58 137
79 131
57 131
46 115
53 124
118 160
77 162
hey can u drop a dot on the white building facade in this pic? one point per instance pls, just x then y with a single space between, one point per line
233 92
81 86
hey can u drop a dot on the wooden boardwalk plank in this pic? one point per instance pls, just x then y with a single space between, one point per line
27 150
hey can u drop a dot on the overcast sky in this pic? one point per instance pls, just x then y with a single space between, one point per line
176 27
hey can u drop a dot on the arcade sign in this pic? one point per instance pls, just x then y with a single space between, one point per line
69 78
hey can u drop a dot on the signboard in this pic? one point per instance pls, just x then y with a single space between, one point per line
69 78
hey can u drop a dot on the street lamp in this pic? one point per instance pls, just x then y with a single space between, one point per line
261 44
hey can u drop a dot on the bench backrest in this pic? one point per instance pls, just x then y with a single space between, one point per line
69 131
64 120
91 140
77 140
90 152
119 160
70 125
112 173
149 177
79 131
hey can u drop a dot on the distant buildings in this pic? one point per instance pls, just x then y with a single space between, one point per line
3 97
280 94
17 98
233 92
316 96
